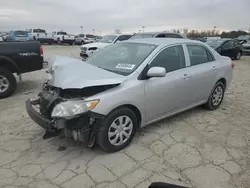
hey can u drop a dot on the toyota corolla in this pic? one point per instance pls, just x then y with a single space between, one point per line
127 86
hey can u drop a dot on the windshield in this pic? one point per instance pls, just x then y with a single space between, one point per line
243 37
108 38
214 43
142 35
121 58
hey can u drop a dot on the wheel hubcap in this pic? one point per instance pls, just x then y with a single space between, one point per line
238 56
217 95
4 84
120 130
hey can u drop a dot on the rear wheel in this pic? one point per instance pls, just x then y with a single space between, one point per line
118 130
238 56
216 96
7 83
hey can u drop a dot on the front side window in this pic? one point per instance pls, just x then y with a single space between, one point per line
61 33
228 45
171 59
121 58
199 55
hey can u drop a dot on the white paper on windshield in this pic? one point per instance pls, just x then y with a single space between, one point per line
125 66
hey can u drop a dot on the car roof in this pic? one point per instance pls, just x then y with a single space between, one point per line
162 41
158 32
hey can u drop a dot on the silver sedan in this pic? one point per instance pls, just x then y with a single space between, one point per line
127 86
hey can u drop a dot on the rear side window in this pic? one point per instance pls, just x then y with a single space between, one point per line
171 59
199 54
228 45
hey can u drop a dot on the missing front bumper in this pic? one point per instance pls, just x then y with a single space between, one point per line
82 128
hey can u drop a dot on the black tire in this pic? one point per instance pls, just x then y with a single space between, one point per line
102 137
59 41
210 105
12 82
34 38
50 43
238 55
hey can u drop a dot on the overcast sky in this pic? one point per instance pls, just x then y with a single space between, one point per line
126 15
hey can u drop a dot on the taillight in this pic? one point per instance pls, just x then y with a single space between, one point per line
41 50
232 65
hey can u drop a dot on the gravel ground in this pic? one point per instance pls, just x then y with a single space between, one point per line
198 148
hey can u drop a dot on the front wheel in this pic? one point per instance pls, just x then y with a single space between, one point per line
7 83
59 41
117 130
216 96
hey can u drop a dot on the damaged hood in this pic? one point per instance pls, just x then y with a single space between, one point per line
70 73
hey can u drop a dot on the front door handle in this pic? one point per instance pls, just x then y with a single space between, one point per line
214 68
185 76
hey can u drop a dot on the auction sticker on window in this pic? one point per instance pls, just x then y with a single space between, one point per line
125 66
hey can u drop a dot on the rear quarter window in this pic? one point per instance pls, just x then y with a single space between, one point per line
199 54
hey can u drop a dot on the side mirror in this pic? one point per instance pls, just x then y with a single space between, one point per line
117 41
156 72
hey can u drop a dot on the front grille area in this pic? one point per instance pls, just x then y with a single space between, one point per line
48 99
247 47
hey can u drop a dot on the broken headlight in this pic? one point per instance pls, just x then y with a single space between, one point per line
72 108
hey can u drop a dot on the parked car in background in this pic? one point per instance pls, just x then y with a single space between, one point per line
40 35
88 50
85 38
18 35
17 57
129 85
227 47
4 35
246 47
243 38
61 37
157 35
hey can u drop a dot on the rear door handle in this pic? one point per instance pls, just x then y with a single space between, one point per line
185 76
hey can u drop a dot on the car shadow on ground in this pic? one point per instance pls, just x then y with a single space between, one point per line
26 87
64 144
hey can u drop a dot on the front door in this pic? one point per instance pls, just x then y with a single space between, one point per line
166 95
228 49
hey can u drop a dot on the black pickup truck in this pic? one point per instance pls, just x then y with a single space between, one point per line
17 57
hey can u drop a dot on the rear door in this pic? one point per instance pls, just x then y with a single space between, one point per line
203 73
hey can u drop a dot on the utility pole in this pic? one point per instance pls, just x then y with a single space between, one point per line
81 28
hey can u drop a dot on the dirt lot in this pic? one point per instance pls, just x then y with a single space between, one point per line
197 148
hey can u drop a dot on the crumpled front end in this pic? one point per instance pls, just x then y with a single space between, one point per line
82 127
